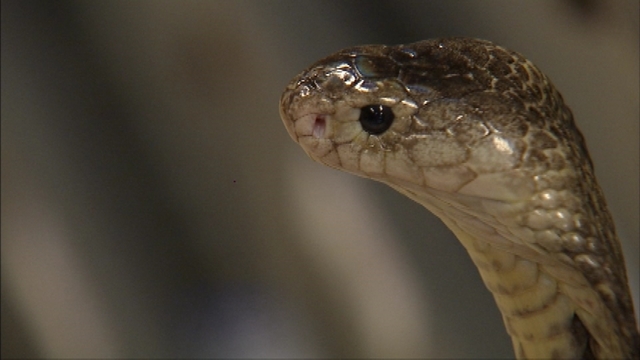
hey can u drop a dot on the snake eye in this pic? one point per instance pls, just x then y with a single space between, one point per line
376 119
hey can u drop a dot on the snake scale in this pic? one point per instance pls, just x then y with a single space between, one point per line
479 136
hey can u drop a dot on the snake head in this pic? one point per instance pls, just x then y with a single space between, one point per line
439 114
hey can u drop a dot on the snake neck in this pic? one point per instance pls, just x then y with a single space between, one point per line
549 309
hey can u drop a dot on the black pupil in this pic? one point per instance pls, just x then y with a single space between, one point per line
376 119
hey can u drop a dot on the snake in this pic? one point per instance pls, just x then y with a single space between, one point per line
479 136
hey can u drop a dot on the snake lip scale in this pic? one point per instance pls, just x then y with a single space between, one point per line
479 136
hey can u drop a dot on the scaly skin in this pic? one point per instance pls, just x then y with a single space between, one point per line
482 139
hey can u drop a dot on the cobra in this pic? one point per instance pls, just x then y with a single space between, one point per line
480 137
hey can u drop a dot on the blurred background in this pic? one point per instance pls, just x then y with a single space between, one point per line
154 206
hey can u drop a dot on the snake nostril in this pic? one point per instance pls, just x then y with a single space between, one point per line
319 126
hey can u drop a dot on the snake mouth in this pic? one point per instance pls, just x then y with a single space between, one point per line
311 125
319 126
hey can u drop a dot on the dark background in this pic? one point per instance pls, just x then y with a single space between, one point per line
154 206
